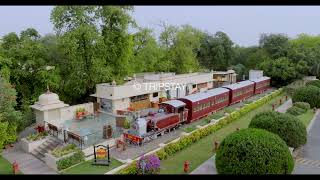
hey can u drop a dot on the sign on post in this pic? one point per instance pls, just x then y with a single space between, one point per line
101 155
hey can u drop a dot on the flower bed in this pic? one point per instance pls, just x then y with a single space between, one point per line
36 137
196 135
61 151
64 157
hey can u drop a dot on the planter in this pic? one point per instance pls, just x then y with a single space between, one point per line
29 146
51 160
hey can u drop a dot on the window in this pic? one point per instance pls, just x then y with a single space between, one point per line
139 98
155 94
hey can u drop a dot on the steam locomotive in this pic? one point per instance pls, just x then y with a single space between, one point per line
174 113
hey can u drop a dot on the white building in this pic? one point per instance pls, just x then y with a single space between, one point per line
147 90
255 74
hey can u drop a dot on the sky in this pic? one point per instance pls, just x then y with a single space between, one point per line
243 24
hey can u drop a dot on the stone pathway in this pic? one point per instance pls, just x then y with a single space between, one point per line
208 167
286 105
309 160
28 164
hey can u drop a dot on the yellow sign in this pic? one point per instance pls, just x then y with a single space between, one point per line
101 153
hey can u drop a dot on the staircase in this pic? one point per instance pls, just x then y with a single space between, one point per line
44 148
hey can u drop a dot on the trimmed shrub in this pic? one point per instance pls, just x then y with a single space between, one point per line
296 111
76 158
253 151
131 169
309 94
302 105
149 164
314 83
287 126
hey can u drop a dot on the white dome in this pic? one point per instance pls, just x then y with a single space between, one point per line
48 98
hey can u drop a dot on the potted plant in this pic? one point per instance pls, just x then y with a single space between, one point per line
80 112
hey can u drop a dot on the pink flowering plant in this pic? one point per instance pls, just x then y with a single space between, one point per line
149 164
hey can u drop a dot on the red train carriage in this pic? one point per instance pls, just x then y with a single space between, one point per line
240 91
261 84
204 103
163 122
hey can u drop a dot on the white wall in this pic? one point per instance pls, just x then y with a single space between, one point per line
69 112
120 104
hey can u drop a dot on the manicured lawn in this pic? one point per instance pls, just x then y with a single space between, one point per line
5 166
202 150
306 117
87 168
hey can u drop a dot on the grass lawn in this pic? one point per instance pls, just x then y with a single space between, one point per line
5 166
202 150
306 117
87 168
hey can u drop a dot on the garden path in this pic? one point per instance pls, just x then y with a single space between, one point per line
28 164
308 161
286 105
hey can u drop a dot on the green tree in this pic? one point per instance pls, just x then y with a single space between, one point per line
9 117
277 45
147 53
216 51
281 70
83 63
184 50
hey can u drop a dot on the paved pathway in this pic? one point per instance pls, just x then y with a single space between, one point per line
208 167
309 160
286 105
28 164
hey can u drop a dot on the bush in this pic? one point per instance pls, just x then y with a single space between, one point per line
151 163
131 169
36 137
302 105
296 111
76 158
309 94
253 151
288 127
314 83
61 151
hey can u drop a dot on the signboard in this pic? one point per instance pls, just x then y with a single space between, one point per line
101 155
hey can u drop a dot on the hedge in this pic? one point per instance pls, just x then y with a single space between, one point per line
302 105
287 126
314 83
76 158
296 111
309 94
186 141
253 151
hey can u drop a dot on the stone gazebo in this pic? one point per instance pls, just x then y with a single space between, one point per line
47 108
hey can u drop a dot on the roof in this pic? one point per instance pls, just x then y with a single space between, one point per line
175 103
205 95
238 85
260 79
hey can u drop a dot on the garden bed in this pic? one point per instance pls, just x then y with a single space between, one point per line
64 157
31 143
87 168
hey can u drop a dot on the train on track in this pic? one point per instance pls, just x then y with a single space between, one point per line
173 113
